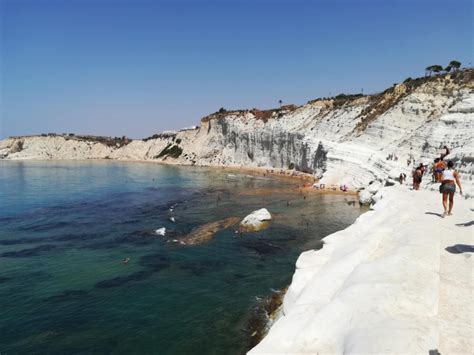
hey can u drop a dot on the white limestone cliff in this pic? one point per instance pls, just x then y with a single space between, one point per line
342 141
397 281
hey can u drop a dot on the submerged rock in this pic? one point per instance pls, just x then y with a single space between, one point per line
205 232
256 221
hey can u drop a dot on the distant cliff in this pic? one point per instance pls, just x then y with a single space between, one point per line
345 139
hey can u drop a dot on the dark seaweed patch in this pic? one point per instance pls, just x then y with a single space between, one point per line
130 221
138 238
121 280
203 266
35 227
75 237
152 262
7 219
4 279
26 253
155 262
104 244
69 237
262 247
67 295
233 278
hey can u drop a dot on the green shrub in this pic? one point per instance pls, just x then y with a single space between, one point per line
170 150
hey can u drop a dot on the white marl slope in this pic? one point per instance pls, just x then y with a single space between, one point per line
385 285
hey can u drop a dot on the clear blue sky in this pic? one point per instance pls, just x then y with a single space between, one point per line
112 67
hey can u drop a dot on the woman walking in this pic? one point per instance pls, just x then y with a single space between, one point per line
448 187
417 177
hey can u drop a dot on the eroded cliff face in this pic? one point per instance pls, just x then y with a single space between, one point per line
342 141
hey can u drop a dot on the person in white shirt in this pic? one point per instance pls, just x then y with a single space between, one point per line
449 179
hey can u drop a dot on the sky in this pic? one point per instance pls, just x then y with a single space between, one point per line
135 68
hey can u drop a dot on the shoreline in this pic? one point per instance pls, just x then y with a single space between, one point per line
305 180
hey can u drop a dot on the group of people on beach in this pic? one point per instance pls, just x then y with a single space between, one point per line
442 172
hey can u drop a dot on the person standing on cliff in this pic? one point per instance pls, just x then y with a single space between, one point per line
417 177
439 167
402 178
443 155
448 187
433 171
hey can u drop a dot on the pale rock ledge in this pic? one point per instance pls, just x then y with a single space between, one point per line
388 284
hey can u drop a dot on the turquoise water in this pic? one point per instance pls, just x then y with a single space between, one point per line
65 228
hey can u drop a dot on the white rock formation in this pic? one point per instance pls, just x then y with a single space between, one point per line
343 142
385 285
374 187
365 197
161 231
256 220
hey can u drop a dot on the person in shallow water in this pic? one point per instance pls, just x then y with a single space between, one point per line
448 187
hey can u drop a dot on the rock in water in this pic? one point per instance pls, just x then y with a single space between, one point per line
161 231
206 232
256 221
365 197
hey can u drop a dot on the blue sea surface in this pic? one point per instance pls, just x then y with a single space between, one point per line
65 228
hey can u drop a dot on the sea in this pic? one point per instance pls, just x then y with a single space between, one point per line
83 271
